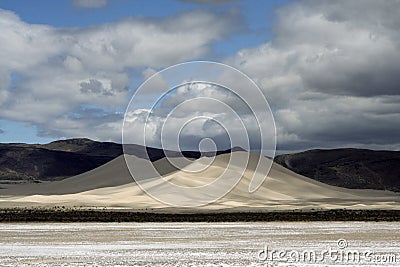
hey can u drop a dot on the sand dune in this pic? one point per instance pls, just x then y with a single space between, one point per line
112 186
111 174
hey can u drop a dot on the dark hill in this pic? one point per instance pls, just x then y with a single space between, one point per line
53 161
350 168
18 163
65 158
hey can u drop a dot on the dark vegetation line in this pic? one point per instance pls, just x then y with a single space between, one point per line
71 215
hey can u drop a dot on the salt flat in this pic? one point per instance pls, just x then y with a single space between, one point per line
195 244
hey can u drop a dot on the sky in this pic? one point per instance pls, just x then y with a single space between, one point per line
330 70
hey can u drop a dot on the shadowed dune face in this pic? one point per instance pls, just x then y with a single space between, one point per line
111 174
111 185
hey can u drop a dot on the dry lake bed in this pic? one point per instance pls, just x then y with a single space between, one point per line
201 244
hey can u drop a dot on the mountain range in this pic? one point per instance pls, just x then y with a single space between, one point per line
22 163
346 167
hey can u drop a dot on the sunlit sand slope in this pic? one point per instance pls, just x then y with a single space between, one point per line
112 186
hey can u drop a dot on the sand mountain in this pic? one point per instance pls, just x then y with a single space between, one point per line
27 163
111 186
350 168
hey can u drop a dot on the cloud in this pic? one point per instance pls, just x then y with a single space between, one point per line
158 83
94 86
91 68
90 3
1 131
191 113
331 74
210 2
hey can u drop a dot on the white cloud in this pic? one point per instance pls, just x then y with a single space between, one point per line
331 73
90 3
64 73
193 112
158 83
210 2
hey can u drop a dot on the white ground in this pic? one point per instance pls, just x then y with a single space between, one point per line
196 244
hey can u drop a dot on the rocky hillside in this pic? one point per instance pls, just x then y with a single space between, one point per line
56 160
21 163
350 168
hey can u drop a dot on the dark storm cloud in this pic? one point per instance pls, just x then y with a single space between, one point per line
94 86
331 71
379 77
343 47
96 122
332 74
